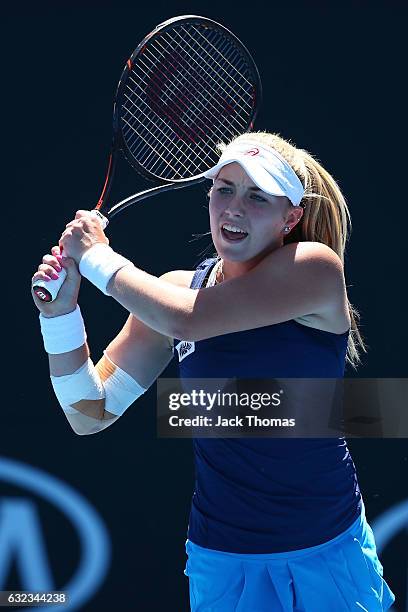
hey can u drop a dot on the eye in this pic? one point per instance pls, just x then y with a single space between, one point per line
258 198
224 190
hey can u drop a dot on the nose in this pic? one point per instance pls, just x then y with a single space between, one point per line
235 207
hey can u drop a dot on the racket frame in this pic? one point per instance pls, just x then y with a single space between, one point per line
118 141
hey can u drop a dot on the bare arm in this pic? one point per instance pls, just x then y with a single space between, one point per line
295 280
139 351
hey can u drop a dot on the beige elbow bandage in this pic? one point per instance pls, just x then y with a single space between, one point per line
121 390
105 385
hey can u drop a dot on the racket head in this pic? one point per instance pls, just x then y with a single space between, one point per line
189 85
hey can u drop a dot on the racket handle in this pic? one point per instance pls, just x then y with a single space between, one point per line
47 291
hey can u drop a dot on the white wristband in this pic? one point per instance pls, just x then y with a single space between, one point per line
99 263
64 333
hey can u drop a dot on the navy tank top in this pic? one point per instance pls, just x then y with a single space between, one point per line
263 495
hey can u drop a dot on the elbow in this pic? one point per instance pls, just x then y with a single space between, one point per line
81 431
83 425
186 329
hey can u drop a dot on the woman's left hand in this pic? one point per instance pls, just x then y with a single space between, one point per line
81 234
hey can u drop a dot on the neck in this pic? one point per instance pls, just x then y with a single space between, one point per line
232 269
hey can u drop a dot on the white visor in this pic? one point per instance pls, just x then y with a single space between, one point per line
268 170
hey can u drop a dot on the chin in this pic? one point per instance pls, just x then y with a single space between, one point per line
232 252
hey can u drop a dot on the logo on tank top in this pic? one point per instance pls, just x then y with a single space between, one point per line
184 348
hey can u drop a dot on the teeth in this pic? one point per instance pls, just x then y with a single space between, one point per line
233 228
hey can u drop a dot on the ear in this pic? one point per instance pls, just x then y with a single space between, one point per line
294 216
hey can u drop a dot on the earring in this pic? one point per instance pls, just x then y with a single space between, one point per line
286 229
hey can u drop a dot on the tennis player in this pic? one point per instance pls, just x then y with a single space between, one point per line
276 525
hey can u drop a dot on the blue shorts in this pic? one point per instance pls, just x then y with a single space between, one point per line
340 575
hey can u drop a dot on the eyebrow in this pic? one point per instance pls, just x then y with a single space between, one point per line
231 183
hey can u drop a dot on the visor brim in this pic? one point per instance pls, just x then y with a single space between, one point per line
255 171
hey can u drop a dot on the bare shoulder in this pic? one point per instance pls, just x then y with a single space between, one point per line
335 318
181 278
312 252
305 262
296 281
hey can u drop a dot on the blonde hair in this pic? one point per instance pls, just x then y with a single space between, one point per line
326 217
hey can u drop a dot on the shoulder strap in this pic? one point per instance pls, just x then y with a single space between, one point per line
202 273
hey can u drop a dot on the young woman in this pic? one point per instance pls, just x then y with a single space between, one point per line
275 524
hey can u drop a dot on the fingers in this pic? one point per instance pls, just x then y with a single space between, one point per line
49 271
50 266
50 260
56 251
82 213
74 223
41 275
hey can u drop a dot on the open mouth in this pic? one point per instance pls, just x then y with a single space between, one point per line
232 233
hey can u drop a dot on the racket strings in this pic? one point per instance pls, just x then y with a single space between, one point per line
185 92
199 116
184 97
187 78
217 49
178 98
150 110
167 143
218 83
196 75
189 75
208 56
208 142
151 150
207 101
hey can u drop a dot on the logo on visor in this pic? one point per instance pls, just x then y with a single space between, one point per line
252 152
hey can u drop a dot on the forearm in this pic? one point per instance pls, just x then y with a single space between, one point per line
73 376
159 304
91 396
68 363
86 417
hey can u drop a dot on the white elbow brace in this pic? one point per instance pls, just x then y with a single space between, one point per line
121 390
83 384
105 381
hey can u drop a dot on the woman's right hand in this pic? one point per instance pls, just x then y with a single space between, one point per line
67 297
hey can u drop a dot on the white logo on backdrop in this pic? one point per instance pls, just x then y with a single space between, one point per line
22 535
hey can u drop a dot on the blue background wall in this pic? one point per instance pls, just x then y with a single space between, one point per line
333 79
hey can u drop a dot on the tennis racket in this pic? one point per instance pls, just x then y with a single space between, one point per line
189 85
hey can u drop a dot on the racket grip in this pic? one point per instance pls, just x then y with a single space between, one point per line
47 291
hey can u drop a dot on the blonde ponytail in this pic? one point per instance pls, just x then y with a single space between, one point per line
326 217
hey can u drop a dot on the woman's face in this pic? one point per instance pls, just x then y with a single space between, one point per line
236 201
